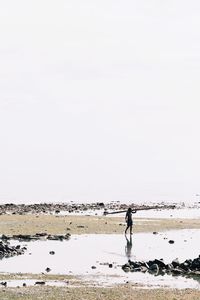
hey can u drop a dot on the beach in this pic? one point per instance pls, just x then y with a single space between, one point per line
94 227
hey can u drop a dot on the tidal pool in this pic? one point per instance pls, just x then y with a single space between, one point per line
98 258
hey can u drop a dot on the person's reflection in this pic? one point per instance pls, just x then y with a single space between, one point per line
128 247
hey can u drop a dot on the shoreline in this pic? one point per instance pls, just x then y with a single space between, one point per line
72 207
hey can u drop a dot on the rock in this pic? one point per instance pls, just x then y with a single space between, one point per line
171 242
52 252
24 284
155 232
154 268
160 263
158 267
93 267
196 264
101 204
40 283
143 269
41 234
126 269
177 271
5 237
48 270
4 283
110 265
8 251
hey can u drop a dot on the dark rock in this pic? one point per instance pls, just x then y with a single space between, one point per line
40 283
4 283
4 237
154 268
110 265
158 267
160 263
127 269
171 242
42 234
175 263
177 271
52 252
47 270
196 264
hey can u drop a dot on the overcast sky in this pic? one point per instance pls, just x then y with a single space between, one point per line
99 100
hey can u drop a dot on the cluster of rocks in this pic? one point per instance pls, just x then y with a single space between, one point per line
158 267
6 250
46 208
35 237
71 207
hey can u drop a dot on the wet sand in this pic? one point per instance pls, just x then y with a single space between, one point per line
52 224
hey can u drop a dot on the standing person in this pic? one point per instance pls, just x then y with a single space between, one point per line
129 219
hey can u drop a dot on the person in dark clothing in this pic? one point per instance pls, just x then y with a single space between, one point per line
129 220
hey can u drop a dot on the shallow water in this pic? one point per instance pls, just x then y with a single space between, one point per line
179 213
89 255
32 282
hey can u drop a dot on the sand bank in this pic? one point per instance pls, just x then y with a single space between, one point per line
52 224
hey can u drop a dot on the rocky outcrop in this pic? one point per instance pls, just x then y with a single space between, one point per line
158 267
36 237
57 208
6 250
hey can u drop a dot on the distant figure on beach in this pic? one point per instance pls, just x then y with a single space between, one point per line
129 220
128 247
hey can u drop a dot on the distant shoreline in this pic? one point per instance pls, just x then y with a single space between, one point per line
72 207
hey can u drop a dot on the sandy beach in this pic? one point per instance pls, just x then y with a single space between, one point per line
85 293
53 224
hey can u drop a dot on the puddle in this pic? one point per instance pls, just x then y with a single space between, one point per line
32 282
89 256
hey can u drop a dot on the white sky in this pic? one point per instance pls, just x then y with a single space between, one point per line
99 100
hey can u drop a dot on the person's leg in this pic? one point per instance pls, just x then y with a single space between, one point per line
131 229
126 229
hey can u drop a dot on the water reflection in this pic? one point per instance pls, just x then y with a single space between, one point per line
128 247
